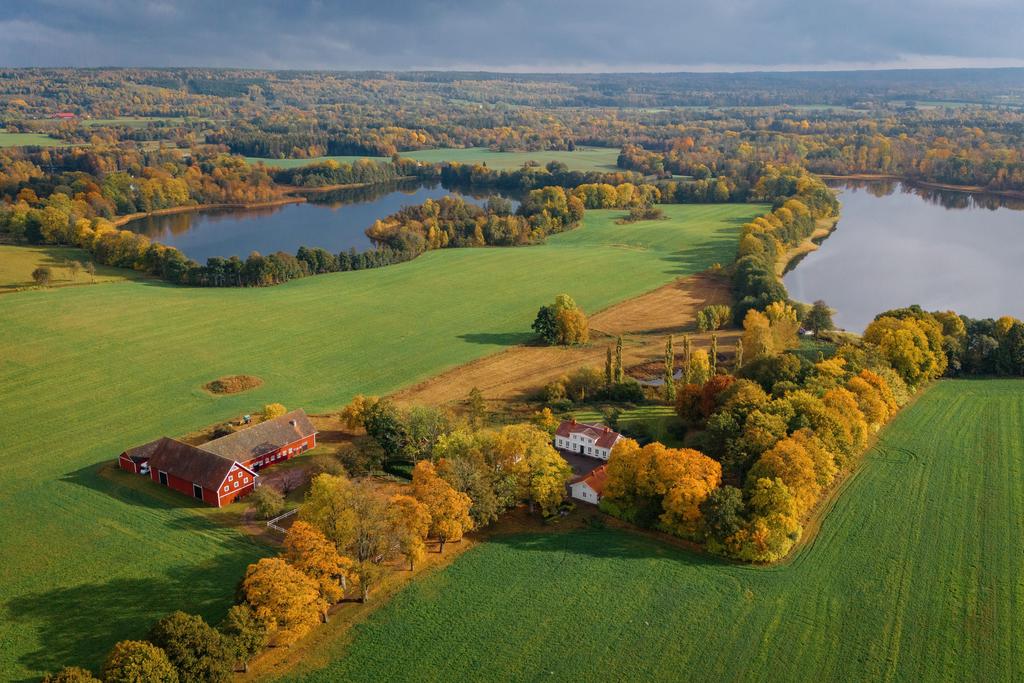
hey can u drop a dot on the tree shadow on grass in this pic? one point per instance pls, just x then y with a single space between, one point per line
77 625
719 247
608 544
497 338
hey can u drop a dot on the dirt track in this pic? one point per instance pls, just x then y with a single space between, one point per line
643 322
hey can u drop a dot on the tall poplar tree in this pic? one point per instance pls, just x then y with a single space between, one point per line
619 375
670 363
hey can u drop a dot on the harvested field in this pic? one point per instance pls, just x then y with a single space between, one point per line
643 322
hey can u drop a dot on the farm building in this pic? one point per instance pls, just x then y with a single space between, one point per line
590 487
211 478
224 469
594 440
267 443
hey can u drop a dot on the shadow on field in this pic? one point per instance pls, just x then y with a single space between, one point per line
134 489
700 257
497 338
77 625
609 544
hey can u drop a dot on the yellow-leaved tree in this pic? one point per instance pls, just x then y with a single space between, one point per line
312 553
409 524
448 508
284 598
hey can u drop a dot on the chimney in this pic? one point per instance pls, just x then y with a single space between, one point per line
291 422
607 430
572 421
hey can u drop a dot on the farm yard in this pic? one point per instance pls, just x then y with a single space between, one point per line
913 576
89 370
582 159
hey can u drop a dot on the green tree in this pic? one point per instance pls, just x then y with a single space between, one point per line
819 318
244 634
619 372
195 649
546 324
134 661
477 407
669 371
713 354
266 501
722 512
609 367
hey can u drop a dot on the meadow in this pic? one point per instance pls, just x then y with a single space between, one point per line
89 371
582 159
9 139
915 575
18 262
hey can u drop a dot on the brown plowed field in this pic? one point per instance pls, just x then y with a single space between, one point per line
643 322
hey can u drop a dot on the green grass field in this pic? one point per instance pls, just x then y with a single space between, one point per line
87 371
29 140
916 575
583 159
18 262
657 420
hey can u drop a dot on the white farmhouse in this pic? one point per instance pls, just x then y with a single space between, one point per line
594 440
590 487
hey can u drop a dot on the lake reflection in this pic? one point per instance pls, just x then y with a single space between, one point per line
335 221
897 245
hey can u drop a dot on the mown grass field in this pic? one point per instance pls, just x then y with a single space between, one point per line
658 421
916 575
8 139
582 159
87 371
18 262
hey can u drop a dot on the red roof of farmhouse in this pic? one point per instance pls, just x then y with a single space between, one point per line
596 479
603 436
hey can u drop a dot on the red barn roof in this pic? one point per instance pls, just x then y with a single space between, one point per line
262 438
191 464
603 437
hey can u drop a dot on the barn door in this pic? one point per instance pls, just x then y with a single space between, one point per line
163 479
197 491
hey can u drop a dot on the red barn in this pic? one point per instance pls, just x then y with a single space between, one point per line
197 473
222 470
267 443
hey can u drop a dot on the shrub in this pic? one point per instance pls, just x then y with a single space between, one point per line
713 317
267 502
71 674
272 410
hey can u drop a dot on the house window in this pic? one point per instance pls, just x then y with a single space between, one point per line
236 484
247 480
226 489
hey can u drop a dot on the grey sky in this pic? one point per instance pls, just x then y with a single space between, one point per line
534 35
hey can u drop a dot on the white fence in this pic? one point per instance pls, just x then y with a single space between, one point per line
273 523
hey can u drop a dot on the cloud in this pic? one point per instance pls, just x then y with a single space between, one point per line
570 35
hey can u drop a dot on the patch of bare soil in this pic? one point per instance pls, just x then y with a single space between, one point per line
643 322
233 384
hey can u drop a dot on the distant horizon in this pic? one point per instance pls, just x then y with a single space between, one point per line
752 70
516 36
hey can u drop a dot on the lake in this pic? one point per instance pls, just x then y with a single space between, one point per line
897 245
335 221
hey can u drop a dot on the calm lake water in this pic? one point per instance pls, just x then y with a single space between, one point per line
335 221
896 245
